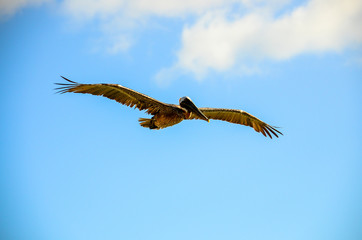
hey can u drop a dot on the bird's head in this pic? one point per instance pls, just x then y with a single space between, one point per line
185 102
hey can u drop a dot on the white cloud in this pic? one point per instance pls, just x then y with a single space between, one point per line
224 35
9 7
218 42
142 8
86 9
118 19
122 17
120 44
228 34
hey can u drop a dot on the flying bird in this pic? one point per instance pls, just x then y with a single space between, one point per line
166 115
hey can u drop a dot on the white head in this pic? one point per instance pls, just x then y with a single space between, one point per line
184 99
186 103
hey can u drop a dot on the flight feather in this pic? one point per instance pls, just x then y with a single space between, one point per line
239 117
115 92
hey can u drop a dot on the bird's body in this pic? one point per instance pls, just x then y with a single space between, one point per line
165 119
166 115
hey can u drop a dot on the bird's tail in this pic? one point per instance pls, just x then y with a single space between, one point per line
148 123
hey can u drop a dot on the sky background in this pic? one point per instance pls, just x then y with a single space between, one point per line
77 167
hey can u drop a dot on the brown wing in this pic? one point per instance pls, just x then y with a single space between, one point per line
239 117
118 93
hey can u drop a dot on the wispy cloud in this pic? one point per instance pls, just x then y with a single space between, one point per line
9 7
229 34
223 35
119 19
142 8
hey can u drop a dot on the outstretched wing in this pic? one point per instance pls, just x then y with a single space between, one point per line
239 117
118 93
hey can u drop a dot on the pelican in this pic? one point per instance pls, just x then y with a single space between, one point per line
166 115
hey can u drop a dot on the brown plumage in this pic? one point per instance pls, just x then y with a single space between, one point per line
166 115
239 117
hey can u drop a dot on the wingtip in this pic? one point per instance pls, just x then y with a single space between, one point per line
274 131
64 87
66 79
274 128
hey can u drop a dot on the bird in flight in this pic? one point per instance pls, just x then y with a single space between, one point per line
166 115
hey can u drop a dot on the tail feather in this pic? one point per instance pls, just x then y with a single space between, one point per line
148 123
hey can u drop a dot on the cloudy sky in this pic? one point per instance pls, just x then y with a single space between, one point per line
80 167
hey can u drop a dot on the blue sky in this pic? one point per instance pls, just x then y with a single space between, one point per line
78 167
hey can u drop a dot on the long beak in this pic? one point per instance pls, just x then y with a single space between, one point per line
190 106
